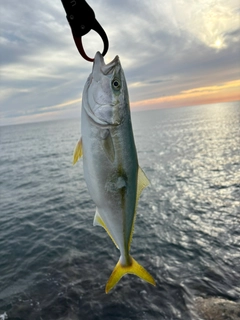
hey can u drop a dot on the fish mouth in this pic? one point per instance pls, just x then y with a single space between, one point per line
95 108
99 66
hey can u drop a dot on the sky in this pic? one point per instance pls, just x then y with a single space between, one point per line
174 53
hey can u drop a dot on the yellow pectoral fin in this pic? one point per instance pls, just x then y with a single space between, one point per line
119 271
98 221
78 152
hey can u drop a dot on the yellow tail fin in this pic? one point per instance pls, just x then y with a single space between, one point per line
119 271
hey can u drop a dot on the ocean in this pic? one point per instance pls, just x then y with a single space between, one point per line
54 264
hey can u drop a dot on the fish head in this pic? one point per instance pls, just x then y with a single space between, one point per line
105 97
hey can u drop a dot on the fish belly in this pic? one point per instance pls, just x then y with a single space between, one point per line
110 172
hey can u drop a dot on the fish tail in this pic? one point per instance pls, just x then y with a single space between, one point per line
135 268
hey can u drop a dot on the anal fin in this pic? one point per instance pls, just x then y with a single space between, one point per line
98 221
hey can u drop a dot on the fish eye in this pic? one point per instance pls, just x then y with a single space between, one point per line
116 84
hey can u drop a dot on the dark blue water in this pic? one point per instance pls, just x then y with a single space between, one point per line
54 264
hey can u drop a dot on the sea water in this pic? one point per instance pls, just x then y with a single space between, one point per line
54 264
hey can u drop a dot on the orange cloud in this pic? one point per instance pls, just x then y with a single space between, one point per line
229 91
62 105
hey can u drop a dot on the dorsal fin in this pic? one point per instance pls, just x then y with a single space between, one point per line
142 183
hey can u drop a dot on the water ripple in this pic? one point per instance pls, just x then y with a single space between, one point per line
54 263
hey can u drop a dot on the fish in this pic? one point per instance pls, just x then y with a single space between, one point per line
110 164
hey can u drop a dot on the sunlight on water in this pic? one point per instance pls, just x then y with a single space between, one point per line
54 263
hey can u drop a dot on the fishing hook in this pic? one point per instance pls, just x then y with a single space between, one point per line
81 19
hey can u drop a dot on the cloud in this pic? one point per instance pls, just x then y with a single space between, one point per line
228 91
62 105
231 84
166 48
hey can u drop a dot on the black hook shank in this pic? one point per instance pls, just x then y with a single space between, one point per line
82 19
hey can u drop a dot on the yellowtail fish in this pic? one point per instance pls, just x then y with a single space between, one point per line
111 171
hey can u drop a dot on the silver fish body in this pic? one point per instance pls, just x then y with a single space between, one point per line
111 171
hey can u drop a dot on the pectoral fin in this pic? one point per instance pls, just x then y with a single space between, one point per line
78 151
108 146
98 221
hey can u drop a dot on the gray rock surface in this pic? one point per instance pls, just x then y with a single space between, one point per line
217 309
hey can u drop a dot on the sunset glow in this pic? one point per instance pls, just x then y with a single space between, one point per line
173 53
229 91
